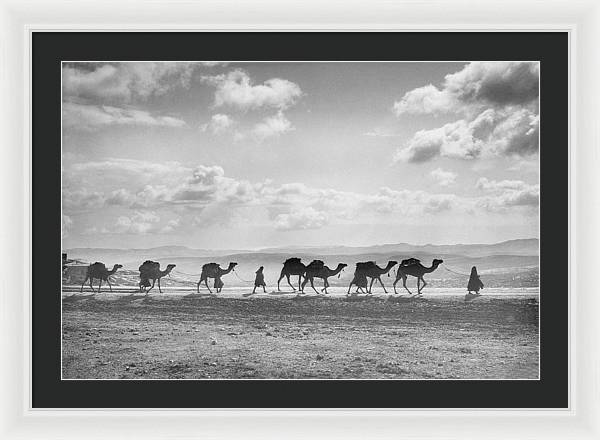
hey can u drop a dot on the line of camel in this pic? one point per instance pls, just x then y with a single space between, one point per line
150 271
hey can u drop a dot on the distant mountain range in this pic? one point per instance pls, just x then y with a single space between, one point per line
519 247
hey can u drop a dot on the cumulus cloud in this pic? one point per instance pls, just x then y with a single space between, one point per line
301 218
477 85
88 117
508 193
510 132
499 101
140 223
205 193
272 126
124 82
218 123
236 89
442 177
526 166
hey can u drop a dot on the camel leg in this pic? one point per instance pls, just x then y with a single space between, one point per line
151 287
99 285
288 281
91 286
299 280
280 278
206 284
264 289
303 284
349 287
313 286
325 286
404 284
81 291
109 285
370 290
396 282
381 282
418 286
160 291
424 284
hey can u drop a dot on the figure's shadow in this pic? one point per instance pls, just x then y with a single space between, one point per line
471 297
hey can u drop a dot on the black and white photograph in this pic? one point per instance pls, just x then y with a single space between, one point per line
300 220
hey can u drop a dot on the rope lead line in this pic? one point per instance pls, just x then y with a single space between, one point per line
236 274
458 273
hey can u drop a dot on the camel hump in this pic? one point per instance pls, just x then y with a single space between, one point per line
148 266
410 262
210 266
293 260
97 266
366 265
316 265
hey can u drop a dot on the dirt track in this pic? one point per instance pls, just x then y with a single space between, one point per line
173 336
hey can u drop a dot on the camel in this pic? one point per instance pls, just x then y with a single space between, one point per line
213 270
316 269
374 272
292 266
150 270
413 267
99 271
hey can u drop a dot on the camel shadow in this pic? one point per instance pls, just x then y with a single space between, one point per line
200 295
275 293
356 297
404 298
306 297
78 297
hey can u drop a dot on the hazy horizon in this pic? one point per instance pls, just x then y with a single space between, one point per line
249 156
309 246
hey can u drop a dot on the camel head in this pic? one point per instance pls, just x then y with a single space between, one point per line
170 267
232 265
342 265
117 266
436 262
390 264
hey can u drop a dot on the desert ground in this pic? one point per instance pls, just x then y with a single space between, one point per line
179 334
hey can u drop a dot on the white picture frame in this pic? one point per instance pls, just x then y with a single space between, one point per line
17 22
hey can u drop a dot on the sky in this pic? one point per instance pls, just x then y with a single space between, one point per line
219 155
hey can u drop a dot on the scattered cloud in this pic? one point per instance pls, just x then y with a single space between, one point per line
301 218
236 89
508 193
510 132
124 82
442 177
526 166
272 126
499 101
477 85
138 223
89 117
219 123
206 195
